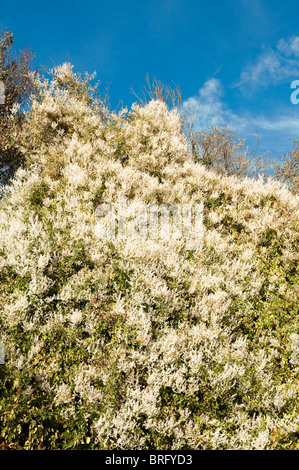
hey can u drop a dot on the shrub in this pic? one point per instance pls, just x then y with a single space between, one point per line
140 343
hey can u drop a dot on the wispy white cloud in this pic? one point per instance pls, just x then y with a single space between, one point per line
211 106
276 132
273 66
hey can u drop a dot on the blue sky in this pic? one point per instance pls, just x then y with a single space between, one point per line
237 58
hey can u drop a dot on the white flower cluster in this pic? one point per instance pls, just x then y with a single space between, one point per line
158 346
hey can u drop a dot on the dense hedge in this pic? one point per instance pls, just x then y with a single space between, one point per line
141 343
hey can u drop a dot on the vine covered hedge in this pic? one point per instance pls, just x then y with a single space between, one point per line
140 343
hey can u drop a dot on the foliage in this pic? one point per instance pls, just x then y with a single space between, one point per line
140 343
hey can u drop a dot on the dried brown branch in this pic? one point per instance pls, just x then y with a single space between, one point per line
222 150
287 171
